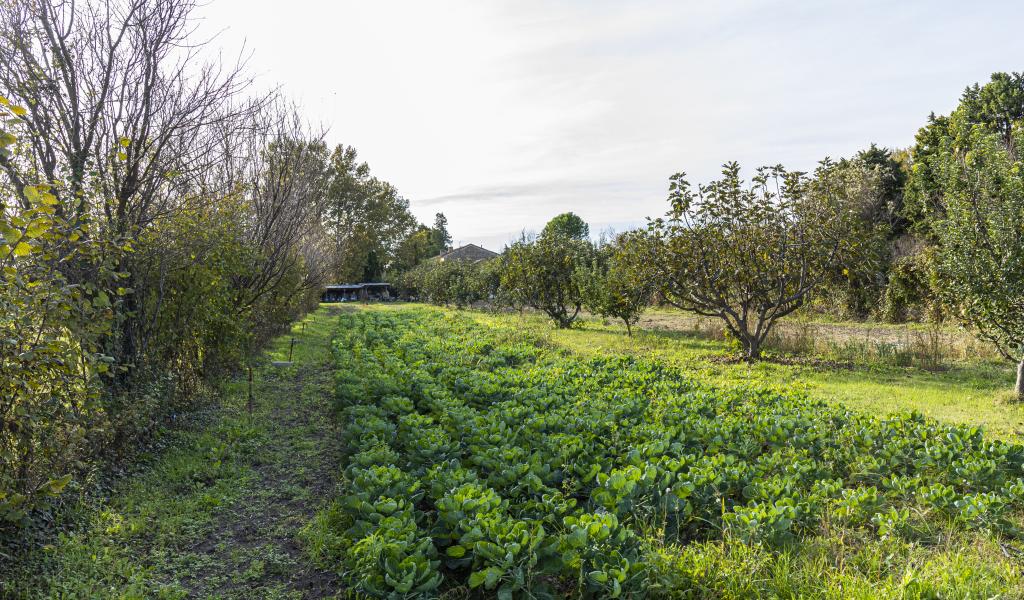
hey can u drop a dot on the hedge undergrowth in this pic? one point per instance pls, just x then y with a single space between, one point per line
479 459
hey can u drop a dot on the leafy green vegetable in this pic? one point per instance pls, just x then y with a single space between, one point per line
528 470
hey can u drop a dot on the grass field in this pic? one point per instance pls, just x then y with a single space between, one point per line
974 391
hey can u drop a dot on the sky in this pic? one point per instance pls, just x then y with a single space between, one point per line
504 114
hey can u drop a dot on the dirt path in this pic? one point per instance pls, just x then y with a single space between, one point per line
294 472
217 513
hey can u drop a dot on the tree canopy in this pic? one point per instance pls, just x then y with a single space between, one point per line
439 235
568 225
550 273
621 282
750 254
367 219
975 172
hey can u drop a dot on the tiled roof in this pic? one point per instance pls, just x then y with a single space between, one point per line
469 252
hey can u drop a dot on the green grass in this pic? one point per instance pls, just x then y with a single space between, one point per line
837 569
974 392
216 513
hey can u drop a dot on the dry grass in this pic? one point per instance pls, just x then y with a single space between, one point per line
928 346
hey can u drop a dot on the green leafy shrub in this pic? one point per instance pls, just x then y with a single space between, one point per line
396 560
53 365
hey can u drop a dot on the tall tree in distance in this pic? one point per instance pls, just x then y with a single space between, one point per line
996 106
366 218
549 274
414 249
421 243
887 206
568 225
439 235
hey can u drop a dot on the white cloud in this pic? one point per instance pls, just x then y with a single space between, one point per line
503 114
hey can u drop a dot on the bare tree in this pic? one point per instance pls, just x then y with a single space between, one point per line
122 111
118 99
283 174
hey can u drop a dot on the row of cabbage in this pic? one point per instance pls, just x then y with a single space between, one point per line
479 457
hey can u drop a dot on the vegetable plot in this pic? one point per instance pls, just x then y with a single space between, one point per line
480 458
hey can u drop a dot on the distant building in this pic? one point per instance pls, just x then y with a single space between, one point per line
352 292
469 253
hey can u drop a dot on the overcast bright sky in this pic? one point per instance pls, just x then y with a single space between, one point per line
504 114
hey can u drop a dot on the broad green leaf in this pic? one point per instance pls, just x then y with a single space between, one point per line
476 578
56 486
456 551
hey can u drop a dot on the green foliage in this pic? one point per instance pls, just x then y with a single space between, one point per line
51 354
107 333
414 249
366 219
995 107
421 244
528 470
855 289
447 282
439 236
488 278
975 177
499 551
568 225
751 255
621 282
910 290
131 539
194 323
52 359
887 207
549 273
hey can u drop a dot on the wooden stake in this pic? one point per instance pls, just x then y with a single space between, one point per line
251 399
291 347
